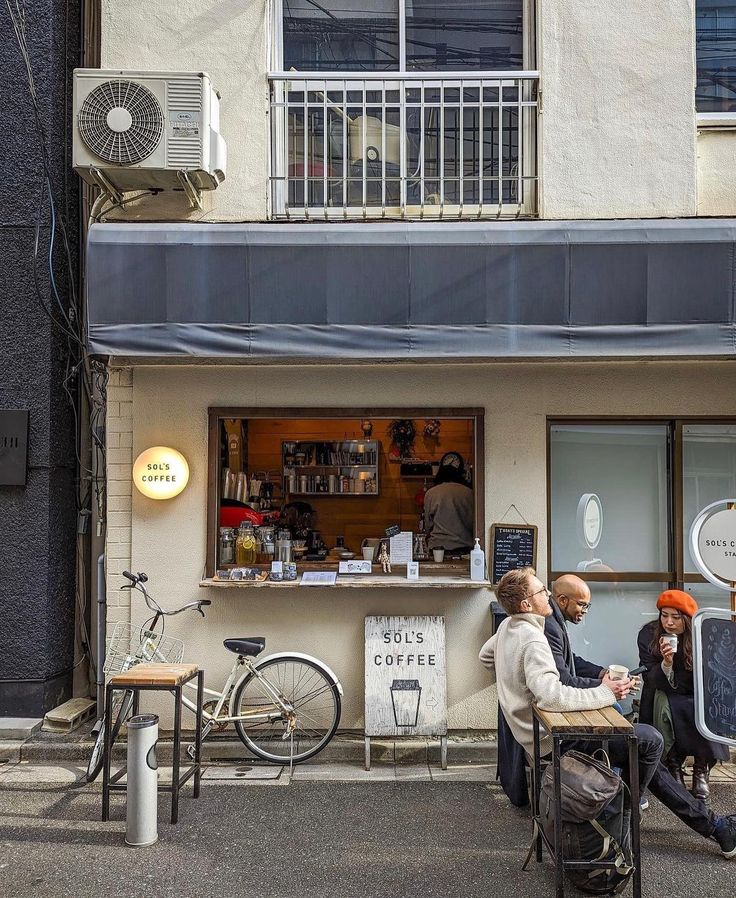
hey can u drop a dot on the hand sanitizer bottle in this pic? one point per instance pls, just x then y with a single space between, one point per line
477 562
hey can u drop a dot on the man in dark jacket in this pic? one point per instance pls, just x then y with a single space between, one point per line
570 602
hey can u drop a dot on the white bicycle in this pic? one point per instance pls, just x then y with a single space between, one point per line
285 707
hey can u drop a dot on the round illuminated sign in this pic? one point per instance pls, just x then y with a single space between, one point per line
713 543
160 472
590 520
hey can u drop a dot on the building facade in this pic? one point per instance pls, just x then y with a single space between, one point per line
508 213
38 499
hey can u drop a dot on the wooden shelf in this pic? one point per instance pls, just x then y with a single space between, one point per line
358 581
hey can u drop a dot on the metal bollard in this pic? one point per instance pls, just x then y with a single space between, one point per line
141 820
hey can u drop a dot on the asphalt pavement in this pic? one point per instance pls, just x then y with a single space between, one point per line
396 834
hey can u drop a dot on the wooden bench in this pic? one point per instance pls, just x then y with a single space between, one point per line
603 724
146 677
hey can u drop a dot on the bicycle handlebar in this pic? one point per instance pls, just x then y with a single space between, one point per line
137 581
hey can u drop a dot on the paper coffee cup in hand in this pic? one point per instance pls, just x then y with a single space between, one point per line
618 672
671 638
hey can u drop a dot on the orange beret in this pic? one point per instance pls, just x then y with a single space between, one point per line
681 601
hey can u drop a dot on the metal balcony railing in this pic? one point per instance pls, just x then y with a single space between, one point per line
418 145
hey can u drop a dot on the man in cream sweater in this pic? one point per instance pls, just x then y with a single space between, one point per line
523 669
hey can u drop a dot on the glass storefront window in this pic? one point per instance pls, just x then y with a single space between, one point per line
608 632
609 497
709 596
708 473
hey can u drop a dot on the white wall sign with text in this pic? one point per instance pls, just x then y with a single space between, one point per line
405 678
713 543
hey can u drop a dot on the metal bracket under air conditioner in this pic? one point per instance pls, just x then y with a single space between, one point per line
193 194
106 186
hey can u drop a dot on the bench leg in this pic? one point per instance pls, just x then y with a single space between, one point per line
106 753
198 737
176 759
559 850
635 812
536 787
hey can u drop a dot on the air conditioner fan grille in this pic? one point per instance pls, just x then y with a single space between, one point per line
141 129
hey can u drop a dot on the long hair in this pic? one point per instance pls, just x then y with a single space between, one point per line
685 644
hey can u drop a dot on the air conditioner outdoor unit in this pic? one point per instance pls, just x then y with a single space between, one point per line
137 130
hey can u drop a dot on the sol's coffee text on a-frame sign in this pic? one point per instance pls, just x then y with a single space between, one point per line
512 546
405 679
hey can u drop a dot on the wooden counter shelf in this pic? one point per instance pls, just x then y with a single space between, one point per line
357 581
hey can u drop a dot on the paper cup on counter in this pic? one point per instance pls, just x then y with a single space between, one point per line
618 671
438 555
368 553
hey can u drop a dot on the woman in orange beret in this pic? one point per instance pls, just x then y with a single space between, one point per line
667 700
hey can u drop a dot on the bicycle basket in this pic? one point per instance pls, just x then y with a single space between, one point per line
131 645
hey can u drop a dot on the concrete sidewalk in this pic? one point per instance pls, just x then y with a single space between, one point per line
399 838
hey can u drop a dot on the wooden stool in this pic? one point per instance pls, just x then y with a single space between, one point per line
162 677
589 725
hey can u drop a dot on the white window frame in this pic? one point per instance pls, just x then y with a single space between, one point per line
710 121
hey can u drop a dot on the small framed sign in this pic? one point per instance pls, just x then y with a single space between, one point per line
13 447
512 546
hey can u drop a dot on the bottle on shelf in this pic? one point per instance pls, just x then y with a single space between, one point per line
477 562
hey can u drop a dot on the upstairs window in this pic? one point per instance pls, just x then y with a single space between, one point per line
403 35
716 56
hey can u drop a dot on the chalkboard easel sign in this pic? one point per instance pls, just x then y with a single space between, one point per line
512 546
715 674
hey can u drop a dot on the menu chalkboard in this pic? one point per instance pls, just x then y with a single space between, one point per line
719 676
512 546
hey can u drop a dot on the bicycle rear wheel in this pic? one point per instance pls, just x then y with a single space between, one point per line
309 690
121 705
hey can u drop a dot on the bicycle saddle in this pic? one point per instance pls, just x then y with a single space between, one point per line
248 645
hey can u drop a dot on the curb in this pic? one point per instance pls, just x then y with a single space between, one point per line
342 749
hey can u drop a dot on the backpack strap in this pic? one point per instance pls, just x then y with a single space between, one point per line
609 842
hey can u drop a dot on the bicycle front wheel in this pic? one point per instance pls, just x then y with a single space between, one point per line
122 703
274 735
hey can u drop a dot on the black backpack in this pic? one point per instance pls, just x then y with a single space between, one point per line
596 819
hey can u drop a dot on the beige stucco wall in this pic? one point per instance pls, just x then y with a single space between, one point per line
617 132
167 539
617 129
227 40
717 173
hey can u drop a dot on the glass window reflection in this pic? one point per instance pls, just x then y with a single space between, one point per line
626 466
341 35
464 35
716 56
708 473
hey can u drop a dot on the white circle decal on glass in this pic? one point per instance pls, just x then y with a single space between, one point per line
590 520
713 543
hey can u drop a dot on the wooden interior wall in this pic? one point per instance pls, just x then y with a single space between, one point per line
357 517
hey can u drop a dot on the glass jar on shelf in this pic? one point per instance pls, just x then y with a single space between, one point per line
245 545
227 545
283 546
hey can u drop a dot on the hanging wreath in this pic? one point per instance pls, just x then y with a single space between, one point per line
402 433
432 428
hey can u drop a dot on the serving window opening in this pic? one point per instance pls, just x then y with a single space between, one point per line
318 488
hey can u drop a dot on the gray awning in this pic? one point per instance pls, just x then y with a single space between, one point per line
473 290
